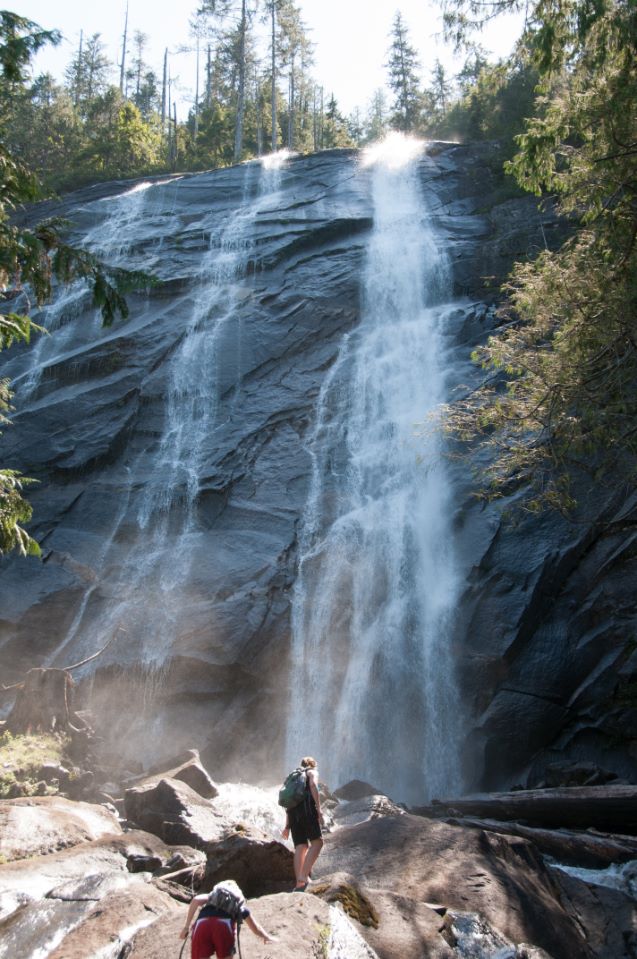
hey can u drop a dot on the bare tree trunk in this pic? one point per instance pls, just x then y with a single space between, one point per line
238 137
174 146
208 80
197 94
291 107
274 119
122 69
163 92
259 111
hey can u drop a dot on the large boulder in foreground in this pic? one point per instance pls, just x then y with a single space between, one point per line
108 928
257 863
83 900
304 925
369 807
39 825
501 878
395 926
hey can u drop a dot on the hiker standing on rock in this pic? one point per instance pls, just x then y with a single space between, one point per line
224 909
304 821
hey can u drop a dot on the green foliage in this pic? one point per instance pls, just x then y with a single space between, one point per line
22 756
402 68
21 38
564 398
30 259
494 105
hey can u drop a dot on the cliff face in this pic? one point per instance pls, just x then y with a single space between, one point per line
174 465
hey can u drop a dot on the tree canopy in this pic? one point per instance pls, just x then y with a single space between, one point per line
564 400
31 259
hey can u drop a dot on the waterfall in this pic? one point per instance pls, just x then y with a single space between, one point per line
372 679
151 562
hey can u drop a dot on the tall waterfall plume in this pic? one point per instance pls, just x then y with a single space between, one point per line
150 571
372 680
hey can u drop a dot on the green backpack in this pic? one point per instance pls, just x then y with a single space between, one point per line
292 792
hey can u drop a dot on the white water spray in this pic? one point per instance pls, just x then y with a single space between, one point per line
372 685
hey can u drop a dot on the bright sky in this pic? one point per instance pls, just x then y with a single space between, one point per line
351 38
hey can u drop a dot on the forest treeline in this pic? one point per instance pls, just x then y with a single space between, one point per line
254 93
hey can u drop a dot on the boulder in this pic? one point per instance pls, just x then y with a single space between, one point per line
607 916
501 878
259 865
175 812
187 768
566 773
355 789
39 874
112 925
37 825
394 926
360 810
301 923
81 900
140 863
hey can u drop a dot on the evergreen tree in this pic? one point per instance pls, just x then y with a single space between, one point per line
31 258
240 13
88 74
295 56
402 67
335 132
377 119
356 126
569 352
440 90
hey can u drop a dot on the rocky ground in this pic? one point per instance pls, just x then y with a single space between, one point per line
112 877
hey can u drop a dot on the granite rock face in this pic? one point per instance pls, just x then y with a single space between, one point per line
174 468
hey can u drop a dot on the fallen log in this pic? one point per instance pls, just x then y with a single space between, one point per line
608 808
586 849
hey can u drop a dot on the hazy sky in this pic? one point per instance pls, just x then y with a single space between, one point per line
350 36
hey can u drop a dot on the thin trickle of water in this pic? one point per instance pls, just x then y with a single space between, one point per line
111 241
372 685
622 876
149 589
475 938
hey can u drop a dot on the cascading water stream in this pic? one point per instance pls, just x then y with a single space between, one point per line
111 242
148 590
372 684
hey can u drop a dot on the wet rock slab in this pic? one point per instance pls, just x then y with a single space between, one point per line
33 826
500 878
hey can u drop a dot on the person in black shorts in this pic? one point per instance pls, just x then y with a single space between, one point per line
304 822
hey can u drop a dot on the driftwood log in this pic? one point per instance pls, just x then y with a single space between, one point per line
609 808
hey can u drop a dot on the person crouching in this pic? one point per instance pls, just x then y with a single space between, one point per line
216 925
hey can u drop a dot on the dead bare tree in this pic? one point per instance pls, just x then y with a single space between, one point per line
44 698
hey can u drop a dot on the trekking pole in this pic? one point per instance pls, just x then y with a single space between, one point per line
192 892
183 945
